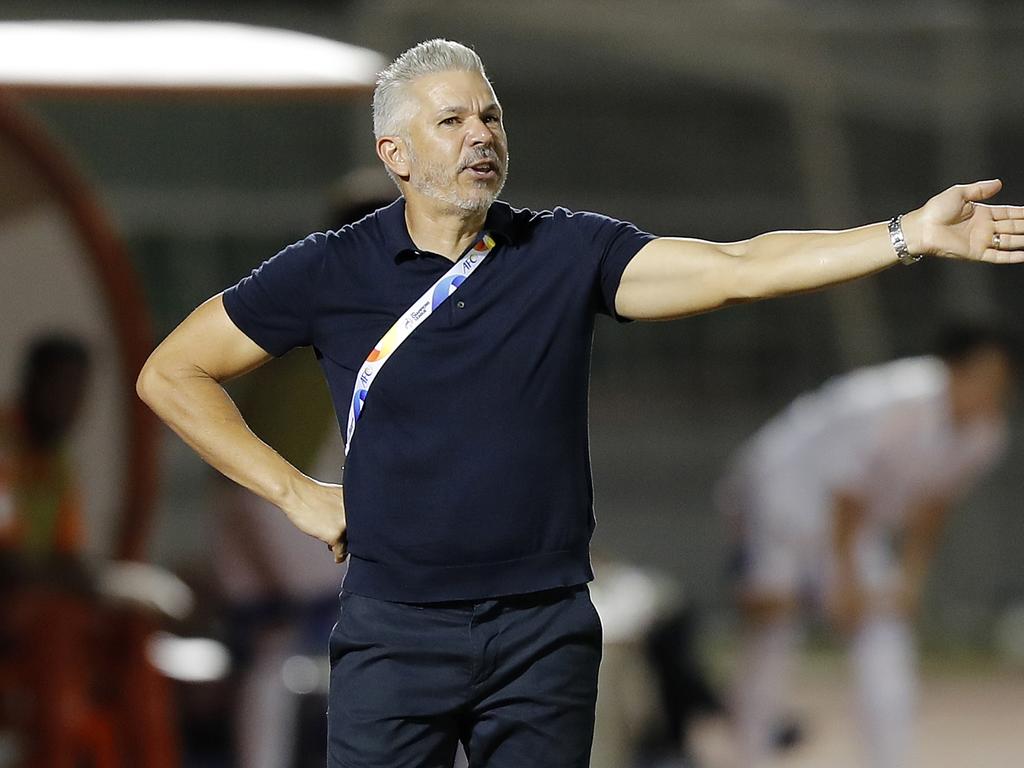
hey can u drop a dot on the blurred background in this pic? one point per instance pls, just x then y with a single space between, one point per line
710 119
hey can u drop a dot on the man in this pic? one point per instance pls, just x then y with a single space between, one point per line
280 592
841 498
467 496
40 503
42 536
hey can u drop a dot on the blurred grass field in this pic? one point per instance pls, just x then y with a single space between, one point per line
970 713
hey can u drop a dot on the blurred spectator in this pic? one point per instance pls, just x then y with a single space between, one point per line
69 641
41 534
629 600
685 693
280 589
40 502
651 685
281 603
841 499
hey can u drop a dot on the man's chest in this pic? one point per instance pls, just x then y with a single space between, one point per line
512 297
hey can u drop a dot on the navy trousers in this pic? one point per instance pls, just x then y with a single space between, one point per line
514 679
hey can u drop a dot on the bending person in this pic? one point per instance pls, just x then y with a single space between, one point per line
841 499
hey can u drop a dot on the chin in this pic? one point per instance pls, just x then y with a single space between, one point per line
483 198
476 204
474 200
472 203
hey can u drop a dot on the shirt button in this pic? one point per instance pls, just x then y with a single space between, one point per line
460 304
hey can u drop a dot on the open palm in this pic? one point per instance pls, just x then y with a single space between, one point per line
957 225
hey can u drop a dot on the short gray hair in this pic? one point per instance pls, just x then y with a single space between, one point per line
429 57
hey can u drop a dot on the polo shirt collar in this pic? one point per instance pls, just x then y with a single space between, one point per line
500 224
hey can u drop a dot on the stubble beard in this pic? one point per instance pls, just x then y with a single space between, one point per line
436 180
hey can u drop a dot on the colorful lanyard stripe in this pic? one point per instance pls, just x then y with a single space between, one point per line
408 322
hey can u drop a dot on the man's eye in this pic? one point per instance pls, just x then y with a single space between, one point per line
450 121
491 119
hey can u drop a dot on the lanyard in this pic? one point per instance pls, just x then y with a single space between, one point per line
408 322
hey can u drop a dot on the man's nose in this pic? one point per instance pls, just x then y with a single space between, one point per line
478 133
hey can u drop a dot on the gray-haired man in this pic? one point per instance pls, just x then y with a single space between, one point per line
467 507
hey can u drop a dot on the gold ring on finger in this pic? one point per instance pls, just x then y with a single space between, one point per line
996 237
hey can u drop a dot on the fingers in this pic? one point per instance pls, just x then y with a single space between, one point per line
992 256
340 551
339 548
1006 246
1009 227
1013 214
1004 242
980 190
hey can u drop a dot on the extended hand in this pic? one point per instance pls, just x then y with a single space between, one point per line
954 224
319 510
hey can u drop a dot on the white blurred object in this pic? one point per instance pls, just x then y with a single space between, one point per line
303 675
1009 635
188 659
629 599
177 55
147 586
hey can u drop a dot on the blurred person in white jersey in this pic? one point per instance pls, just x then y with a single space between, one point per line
838 502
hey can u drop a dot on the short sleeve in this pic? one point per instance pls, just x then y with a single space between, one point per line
274 305
613 243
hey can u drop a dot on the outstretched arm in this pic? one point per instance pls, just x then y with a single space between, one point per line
181 382
673 277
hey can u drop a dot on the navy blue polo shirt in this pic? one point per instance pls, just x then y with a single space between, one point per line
468 476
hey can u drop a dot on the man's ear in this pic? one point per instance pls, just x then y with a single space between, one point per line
393 153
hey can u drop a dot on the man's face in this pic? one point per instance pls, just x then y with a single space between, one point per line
458 153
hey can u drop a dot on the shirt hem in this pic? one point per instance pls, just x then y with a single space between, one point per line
411 583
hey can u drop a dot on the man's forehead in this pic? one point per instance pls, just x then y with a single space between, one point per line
455 88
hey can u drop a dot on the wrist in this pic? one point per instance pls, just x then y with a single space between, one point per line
913 232
289 491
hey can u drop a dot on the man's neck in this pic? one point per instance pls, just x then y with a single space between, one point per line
447 232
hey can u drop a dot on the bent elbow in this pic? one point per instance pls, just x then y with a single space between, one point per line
154 381
146 382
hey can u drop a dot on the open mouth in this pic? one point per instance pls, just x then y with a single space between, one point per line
485 169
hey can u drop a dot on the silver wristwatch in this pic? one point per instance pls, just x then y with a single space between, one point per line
899 242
